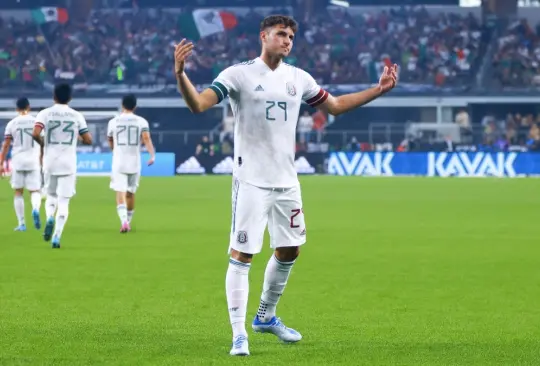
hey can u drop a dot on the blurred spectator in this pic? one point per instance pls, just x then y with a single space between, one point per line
305 125
205 147
464 122
227 130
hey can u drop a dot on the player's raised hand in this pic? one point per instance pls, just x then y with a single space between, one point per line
182 51
388 78
151 160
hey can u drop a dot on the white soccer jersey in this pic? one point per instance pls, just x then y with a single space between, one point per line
126 131
25 151
62 125
266 105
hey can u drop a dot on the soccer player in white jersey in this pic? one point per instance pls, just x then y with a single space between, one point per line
62 125
126 133
26 162
265 95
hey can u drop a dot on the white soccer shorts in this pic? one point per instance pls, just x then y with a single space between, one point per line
121 182
27 179
254 208
60 185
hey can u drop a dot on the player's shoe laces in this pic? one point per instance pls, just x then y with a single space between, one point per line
20 228
125 228
55 242
37 221
49 226
240 346
275 326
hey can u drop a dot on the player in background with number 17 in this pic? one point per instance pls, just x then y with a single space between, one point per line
62 126
26 162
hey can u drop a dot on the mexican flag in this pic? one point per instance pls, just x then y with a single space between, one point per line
46 15
205 22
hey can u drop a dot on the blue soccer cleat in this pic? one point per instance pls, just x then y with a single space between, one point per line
55 242
20 228
240 346
275 326
49 226
37 220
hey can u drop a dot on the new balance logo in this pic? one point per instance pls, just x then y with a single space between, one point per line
259 88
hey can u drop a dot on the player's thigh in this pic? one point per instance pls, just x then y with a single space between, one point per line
286 225
66 185
17 179
133 182
119 182
250 208
50 183
33 180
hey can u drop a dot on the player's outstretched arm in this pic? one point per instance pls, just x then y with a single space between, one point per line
197 103
147 141
344 103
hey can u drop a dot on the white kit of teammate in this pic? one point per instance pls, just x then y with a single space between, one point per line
265 95
126 134
62 126
26 165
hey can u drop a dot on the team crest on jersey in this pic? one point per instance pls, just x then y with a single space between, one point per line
291 90
242 237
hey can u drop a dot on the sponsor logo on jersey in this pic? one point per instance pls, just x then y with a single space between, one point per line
291 90
190 166
259 88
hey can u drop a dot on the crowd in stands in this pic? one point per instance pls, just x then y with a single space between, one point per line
517 60
137 48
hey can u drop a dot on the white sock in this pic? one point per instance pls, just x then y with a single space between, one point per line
130 215
18 203
61 215
275 280
50 206
122 213
237 289
35 198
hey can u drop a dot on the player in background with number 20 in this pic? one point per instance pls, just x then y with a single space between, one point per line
62 126
265 96
126 133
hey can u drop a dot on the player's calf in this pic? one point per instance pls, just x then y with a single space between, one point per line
121 210
62 215
18 204
276 276
35 198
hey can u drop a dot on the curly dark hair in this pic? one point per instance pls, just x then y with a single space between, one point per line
284 20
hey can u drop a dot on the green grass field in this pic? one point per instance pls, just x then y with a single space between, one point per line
411 271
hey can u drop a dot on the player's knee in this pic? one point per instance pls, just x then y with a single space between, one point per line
130 195
19 192
241 257
287 254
